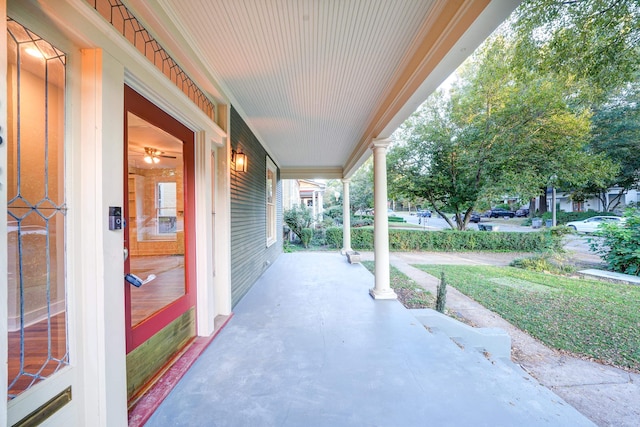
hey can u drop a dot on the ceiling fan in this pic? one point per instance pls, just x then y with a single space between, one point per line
153 155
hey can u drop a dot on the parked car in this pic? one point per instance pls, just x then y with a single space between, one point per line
425 213
522 212
591 225
475 217
501 213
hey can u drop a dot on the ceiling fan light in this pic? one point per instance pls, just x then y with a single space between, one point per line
148 159
156 159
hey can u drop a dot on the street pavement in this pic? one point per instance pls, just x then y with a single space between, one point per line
438 223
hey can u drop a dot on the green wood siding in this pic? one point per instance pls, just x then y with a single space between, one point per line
148 359
249 254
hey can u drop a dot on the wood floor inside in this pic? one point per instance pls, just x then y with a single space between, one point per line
44 344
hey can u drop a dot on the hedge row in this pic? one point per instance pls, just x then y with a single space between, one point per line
449 240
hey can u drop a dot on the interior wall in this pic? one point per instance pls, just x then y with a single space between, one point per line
142 200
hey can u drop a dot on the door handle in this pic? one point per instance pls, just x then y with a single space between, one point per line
126 253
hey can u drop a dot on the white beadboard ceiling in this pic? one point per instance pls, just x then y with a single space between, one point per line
318 80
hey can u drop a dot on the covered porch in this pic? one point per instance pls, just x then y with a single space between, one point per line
309 346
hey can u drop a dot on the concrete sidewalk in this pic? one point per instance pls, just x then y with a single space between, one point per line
606 395
308 346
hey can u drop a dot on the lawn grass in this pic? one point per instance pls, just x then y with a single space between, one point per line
590 318
409 292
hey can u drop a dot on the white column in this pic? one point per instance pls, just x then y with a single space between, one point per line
382 289
320 206
313 206
346 217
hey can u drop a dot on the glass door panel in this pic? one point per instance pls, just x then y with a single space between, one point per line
159 215
36 210
155 217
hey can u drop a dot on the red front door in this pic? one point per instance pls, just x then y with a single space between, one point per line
159 218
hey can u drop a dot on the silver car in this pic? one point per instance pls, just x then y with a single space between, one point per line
591 225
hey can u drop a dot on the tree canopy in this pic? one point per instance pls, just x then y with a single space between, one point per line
593 44
361 187
500 131
616 134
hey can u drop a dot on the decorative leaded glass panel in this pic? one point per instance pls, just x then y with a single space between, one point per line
36 209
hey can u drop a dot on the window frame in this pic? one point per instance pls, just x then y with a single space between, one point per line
271 211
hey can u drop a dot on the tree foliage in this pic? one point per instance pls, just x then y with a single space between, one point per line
616 134
494 135
619 244
361 188
594 47
592 44
298 218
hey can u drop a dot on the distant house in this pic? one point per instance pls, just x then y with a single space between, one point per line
312 196
304 192
611 200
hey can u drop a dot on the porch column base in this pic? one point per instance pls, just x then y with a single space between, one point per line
383 294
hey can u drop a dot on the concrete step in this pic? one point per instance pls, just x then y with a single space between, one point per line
494 341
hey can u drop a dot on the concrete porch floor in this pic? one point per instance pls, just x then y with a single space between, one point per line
308 346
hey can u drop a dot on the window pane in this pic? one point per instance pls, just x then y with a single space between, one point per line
35 209
271 202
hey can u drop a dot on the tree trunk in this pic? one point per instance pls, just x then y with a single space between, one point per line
532 207
543 201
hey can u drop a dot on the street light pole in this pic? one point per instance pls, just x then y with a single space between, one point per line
553 178
553 209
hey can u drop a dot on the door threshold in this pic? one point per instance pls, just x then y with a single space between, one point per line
144 405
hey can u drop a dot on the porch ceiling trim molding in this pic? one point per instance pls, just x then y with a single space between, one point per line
311 173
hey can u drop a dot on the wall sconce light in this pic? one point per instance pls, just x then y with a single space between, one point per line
240 160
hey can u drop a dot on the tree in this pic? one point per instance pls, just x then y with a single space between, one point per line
592 44
333 193
594 47
361 188
616 134
496 134
298 218
429 163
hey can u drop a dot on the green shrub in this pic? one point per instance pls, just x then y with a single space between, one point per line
396 219
287 247
307 235
441 295
319 238
333 237
297 218
335 213
362 238
450 240
361 222
546 262
619 244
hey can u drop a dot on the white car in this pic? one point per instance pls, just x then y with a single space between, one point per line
591 225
